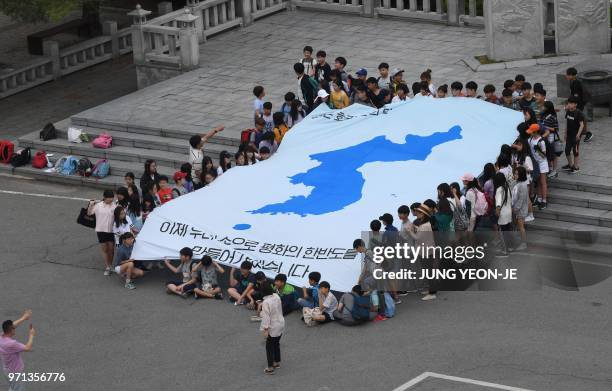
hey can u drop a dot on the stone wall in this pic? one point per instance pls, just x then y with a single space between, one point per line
583 26
514 29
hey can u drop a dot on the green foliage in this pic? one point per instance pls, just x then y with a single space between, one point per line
39 10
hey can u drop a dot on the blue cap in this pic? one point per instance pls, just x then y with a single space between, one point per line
362 72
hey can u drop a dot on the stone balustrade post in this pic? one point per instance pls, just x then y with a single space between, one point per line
51 50
199 22
188 36
243 10
368 8
109 28
164 7
454 9
139 19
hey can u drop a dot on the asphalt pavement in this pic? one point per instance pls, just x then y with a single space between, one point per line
104 337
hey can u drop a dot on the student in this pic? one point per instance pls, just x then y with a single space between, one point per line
422 233
384 80
286 106
121 224
311 295
322 98
375 239
362 74
471 90
423 89
258 103
255 296
397 76
10 349
402 94
296 114
240 159
550 128
124 265
165 191
354 307
503 211
207 285
375 93
406 226
444 210
148 204
150 175
104 212
187 284
520 204
287 293
309 62
122 197
576 124
522 157
577 91
442 91
307 87
280 127
489 91
327 303
242 282
540 99
130 180
179 188
338 97
264 153
472 194
518 87
134 209
457 89
538 151
268 142
336 77
322 69
426 78
339 65
225 162
508 101
361 96
196 143
527 100
486 181
272 325
257 134
267 117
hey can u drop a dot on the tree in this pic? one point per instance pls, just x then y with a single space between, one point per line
32 11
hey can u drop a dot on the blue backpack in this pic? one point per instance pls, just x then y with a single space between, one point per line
361 307
70 165
100 169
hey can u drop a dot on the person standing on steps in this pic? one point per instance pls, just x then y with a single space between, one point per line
10 349
196 155
576 123
105 216
577 91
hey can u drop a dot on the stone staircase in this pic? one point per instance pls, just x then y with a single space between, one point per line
132 146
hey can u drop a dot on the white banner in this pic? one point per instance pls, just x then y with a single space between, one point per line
335 171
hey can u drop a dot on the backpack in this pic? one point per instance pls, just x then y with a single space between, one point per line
7 149
307 316
245 136
69 166
21 158
481 206
103 141
84 167
460 218
361 307
100 169
40 160
48 132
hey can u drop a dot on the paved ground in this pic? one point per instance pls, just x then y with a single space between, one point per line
105 337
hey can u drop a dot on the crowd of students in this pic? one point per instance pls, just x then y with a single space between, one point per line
500 198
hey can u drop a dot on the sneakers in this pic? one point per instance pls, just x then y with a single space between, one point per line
574 170
397 301
521 247
501 254
588 138
380 318
107 271
543 205
269 371
130 285
429 297
567 167
553 174
529 218
218 296
255 318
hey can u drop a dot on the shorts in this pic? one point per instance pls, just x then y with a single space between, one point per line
104 237
186 289
201 286
572 146
118 269
543 167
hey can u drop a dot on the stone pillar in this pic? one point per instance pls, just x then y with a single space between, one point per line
514 33
109 28
199 22
139 19
243 9
368 8
190 48
51 50
454 10
164 7
583 26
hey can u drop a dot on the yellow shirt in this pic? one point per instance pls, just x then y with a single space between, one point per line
279 133
339 100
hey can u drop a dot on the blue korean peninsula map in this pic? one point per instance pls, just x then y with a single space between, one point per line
336 182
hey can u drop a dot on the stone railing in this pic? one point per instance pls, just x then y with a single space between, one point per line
57 63
349 6
261 8
412 9
474 17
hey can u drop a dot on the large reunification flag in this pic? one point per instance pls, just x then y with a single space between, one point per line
335 171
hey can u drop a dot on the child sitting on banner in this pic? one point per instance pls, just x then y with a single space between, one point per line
165 191
241 283
124 264
311 295
286 292
327 304
206 273
186 285
354 307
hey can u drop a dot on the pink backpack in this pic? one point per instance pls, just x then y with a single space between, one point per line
103 141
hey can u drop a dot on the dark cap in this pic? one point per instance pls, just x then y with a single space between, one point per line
386 218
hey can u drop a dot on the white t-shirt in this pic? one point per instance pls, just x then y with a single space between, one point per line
471 196
540 157
384 82
195 159
258 106
330 304
397 99
505 216
123 228
269 122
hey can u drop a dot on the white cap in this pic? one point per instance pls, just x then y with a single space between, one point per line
322 94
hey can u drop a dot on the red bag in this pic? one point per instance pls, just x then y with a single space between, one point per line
245 136
7 149
103 141
40 160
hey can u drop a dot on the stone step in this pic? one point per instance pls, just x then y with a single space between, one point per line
580 182
580 198
576 214
229 138
597 250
